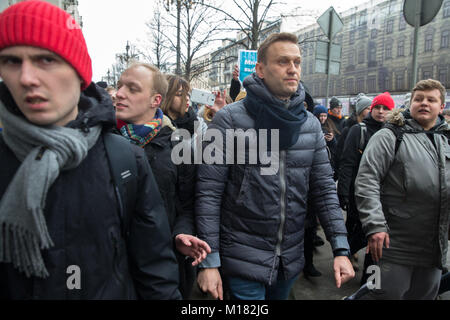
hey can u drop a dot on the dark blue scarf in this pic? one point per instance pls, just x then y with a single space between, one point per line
270 112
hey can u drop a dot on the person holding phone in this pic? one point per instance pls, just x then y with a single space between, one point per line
176 107
321 113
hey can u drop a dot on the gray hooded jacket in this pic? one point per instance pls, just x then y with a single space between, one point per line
406 194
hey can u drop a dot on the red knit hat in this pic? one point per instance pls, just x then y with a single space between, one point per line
383 99
44 25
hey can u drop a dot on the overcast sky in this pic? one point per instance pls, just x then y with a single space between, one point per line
108 24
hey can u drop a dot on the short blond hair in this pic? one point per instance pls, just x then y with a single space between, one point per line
160 84
427 85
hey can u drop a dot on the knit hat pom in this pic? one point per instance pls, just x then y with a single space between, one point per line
383 99
41 24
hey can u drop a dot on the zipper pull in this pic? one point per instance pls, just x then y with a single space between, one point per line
40 153
84 126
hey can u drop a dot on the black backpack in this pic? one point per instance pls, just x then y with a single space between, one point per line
362 138
122 164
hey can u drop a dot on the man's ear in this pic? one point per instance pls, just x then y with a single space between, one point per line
259 69
157 99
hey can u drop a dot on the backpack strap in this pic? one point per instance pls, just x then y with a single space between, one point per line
122 164
362 139
398 132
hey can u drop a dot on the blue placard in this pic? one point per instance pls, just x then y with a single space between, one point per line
247 62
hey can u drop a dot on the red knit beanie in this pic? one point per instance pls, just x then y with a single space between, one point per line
44 25
383 99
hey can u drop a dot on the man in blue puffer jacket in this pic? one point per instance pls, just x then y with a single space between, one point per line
252 215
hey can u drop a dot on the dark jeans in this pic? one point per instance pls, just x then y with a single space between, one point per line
187 276
309 245
243 289
356 237
445 283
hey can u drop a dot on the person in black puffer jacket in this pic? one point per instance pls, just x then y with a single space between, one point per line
349 165
361 110
61 234
143 123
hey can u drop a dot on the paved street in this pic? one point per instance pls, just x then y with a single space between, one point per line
324 287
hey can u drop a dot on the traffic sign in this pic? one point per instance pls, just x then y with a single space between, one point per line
330 22
322 57
429 10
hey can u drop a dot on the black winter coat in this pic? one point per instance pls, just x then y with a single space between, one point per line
351 156
350 122
82 218
176 182
235 88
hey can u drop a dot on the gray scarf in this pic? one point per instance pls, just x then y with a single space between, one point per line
44 151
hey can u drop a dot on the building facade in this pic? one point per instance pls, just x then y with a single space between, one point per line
377 52
71 6
224 58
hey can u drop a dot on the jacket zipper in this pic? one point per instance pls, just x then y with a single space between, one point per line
283 208
116 259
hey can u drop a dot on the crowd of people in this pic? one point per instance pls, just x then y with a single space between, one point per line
154 228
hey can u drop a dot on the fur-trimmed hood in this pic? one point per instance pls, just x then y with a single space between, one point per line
401 117
396 117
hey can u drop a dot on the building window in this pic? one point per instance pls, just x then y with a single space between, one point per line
362 32
428 42
387 83
361 54
351 58
363 18
372 84
390 26
444 39
372 53
338 87
316 89
349 84
360 85
399 81
388 50
401 22
443 76
401 48
353 21
446 9
373 33
427 74
351 39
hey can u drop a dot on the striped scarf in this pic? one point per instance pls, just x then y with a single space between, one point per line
142 134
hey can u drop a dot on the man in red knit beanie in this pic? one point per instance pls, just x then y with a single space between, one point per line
63 231
381 105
